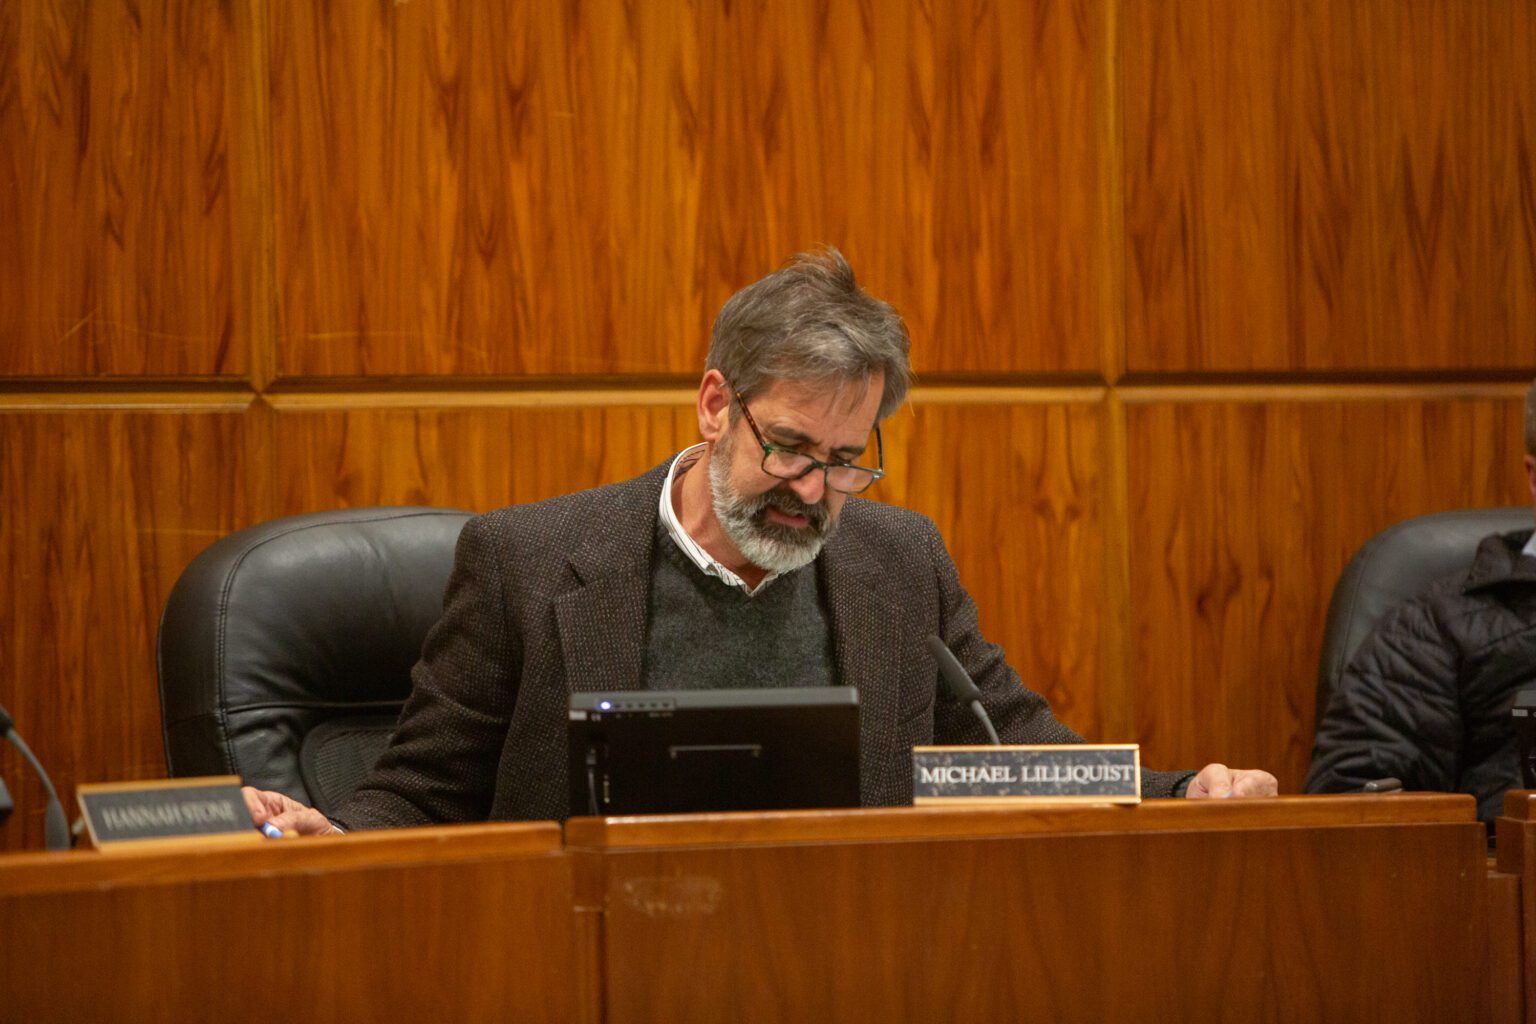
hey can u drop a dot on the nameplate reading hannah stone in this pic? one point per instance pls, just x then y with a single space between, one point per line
176 810
1068 773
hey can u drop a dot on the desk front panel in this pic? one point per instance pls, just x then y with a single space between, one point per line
1180 918
470 924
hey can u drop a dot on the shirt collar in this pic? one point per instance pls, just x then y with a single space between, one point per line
685 542
1530 547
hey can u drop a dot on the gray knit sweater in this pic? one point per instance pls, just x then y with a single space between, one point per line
706 634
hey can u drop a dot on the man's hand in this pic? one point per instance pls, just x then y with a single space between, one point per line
1217 780
287 814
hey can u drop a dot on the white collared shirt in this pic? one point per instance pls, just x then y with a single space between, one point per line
690 547
1530 547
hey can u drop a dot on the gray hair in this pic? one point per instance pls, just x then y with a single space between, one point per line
810 322
1530 420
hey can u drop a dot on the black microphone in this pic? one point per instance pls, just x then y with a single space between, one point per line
57 827
961 684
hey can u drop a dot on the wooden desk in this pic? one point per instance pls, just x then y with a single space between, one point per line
464 923
1305 908
1517 857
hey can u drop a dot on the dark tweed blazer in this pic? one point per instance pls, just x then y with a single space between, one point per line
550 598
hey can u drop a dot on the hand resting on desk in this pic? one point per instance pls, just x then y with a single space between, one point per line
289 815
1213 782
1217 781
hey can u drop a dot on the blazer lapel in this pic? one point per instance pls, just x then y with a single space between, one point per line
867 642
602 622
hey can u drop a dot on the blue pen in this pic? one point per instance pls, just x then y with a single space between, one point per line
271 831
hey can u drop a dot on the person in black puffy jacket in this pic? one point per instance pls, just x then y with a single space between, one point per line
1426 698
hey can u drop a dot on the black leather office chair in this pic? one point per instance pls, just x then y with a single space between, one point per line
1394 565
285 649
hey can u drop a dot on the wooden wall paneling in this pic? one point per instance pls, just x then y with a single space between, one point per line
475 457
954 150
106 507
1245 513
480 189
1507 234
122 150
254 202
1017 491
1330 186
470 190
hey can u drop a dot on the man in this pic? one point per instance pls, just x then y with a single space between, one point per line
743 561
1426 698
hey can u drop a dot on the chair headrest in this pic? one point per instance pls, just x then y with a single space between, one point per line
280 626
1393 566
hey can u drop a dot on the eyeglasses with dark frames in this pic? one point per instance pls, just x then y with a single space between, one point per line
788 464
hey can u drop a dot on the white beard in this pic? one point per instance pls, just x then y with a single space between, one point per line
768 545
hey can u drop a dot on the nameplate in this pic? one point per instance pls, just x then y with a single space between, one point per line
120 814
1067 773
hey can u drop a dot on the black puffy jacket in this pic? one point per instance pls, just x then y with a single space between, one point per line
1426 698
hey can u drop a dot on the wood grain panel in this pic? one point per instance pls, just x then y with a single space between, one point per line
1517 856
574 189
1017 492
121 142
1013 488
1332 186
991 821
1290 921
1244 516
954 148
487 936
472 458
105 510
1506 946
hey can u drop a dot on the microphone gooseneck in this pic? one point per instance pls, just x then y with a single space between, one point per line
961 685
56 827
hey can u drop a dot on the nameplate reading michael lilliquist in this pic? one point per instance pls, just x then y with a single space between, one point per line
174 810
1068 773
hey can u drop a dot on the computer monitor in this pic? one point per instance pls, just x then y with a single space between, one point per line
679 751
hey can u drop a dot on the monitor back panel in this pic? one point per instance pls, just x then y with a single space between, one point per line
666 752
